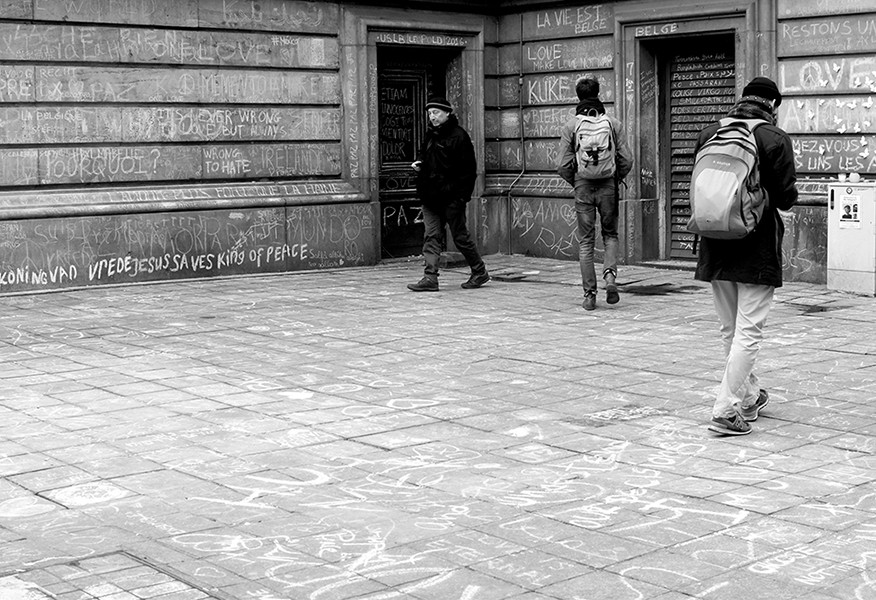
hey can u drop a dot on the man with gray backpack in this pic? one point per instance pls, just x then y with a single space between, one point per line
743 175
594 159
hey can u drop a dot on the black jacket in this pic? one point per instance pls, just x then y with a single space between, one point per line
449 168
756 258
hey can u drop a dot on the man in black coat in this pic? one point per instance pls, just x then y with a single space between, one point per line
446 172
744 273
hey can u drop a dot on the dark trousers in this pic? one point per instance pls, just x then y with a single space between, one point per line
590 198
436 221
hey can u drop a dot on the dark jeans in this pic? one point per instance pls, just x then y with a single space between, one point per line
436 220
590 197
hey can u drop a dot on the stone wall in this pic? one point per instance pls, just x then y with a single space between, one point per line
173 138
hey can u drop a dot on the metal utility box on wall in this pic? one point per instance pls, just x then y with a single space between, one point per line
851 237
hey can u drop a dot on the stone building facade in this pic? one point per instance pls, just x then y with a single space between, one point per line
173 139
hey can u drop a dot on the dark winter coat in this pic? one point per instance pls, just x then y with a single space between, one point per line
449 168
756 258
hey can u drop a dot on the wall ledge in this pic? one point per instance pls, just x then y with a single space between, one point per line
536 186
37 204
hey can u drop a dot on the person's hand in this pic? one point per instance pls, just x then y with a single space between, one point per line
416 165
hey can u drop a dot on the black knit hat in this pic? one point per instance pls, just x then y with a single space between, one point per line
439 102
764 88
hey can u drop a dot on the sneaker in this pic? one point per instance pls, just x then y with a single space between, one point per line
611 295
424 285
476 280
735 425
589 302
751 413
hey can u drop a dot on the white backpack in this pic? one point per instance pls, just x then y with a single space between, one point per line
726 198
594 147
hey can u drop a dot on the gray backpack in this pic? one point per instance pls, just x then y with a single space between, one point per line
726 198
594 147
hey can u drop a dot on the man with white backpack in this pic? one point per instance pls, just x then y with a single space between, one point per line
594 159
743 175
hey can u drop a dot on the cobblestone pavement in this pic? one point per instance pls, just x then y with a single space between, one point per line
331 435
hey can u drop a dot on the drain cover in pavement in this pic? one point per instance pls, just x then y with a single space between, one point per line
118 575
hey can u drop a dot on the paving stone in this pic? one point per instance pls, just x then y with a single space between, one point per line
531 530
736 584
465 583
531 453
115 466
85 494
596 549
330 435
860 584
676 526
807 487
530 569
667 570
759 500
824 515
16 588
782 462
773 531
54 477
857 472
694 487
328 582
25 463
448 512
806 433
602 585
147 517
864 444
58 589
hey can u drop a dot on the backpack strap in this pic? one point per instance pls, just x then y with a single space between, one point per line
750 124
578 122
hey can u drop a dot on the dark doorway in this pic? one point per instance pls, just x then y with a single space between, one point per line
406 77
699 87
